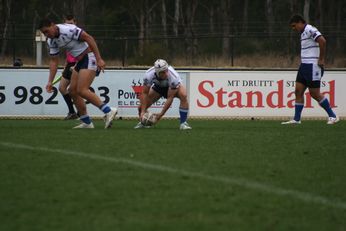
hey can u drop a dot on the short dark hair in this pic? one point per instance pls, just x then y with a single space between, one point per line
69 17
45 22
297 18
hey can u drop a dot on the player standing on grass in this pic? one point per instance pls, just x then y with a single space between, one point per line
66 77
313 46
162 80
83 47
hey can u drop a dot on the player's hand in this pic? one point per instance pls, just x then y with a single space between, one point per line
321 63
158 116
101 65
49 87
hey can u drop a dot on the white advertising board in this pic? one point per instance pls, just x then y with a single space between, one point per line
22 93
259 93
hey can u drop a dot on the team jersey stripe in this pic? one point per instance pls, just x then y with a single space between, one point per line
310 57
317 37
304 48
54 54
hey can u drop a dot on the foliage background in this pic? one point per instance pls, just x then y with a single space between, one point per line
196 32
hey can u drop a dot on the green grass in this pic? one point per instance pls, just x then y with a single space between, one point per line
222 175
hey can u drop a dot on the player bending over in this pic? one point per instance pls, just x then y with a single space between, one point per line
162 80
83 47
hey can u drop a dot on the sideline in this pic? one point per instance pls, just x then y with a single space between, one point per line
241 182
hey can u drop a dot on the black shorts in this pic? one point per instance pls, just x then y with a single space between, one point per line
67 73
310 75
87 62
161 90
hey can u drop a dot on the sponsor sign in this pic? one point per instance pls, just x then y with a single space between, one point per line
259 93
22 93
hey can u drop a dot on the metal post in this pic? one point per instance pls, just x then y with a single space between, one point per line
14 42
232 50
40 38
124 56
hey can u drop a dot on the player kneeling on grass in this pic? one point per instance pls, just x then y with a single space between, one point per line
162 80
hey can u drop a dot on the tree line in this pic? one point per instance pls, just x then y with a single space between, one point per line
142 29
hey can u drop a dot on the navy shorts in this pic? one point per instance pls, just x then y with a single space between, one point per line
66 74
87 62
161 90
310 75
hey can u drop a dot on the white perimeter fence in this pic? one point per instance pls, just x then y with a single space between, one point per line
212 94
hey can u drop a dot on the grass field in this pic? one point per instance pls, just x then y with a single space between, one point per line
222 175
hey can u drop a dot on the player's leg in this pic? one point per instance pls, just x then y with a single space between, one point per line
299 101
151 98
183 108
63 89
324 103
300 88
79 102
85 79
314 89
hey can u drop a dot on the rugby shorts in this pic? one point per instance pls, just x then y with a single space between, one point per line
87 62
310 75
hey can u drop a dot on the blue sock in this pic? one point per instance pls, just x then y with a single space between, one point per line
298 111
326 106
105 108
85 119
183 114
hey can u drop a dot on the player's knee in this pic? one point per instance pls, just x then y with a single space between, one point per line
82 92
62 90
298 93
183 96
73 92
317 96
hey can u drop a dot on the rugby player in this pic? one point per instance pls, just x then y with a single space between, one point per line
83 47
66 76
313 46
162 80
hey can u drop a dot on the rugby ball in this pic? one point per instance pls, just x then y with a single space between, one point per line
148 119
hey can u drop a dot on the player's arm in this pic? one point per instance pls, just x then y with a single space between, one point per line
53 68
93 47
170 97
322 43
144 100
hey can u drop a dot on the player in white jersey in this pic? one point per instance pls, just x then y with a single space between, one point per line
66 76
313 46
162 80
83 47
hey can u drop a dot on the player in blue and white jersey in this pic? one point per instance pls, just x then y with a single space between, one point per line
162 80
83 47
313 46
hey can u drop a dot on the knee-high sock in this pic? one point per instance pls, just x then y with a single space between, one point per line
183 114
326 106
69 103
298 108
105 108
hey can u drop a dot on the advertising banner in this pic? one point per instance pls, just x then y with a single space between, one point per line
22 93
259 93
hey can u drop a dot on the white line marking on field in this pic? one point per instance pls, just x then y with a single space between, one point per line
242 182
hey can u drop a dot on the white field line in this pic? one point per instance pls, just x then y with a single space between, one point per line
241 182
